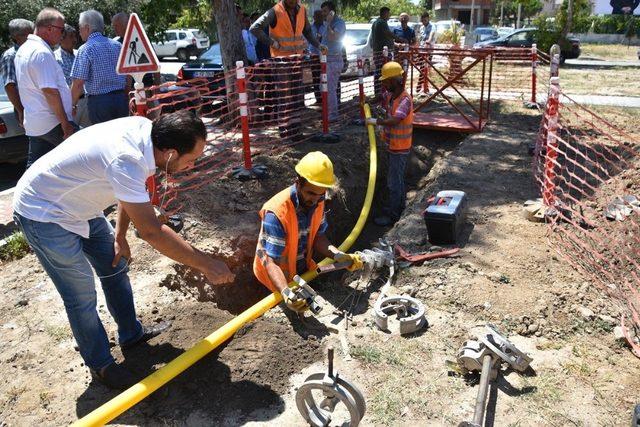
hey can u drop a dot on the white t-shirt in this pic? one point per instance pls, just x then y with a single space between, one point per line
89 171
37 68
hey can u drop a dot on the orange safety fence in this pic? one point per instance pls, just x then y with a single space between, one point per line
588 171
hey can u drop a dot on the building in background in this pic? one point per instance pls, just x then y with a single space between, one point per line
461 10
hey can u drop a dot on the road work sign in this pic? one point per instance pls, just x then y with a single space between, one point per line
137 55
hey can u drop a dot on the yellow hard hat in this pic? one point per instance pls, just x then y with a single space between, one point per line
391 69
317 168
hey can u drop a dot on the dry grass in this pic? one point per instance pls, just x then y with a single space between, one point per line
611 81
611 52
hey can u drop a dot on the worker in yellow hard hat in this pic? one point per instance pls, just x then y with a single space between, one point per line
293 230
397 133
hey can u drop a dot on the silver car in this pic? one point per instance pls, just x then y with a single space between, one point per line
14 145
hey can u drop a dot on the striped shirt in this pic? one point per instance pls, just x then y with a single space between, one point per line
8 67
65 59
96 64
273 236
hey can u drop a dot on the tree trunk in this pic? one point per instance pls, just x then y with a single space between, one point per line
231 46
229 33
569 23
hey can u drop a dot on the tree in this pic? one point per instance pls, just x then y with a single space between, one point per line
364 10
229 32
530 8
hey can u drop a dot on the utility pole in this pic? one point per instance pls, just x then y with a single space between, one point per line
473 10
519 13
501 12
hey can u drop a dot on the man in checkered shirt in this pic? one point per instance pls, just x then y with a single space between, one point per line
19 29
95 70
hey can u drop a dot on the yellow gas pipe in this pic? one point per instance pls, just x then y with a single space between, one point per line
134 394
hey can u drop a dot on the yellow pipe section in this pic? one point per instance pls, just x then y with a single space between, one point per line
134 394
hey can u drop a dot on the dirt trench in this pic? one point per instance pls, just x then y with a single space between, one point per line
223 218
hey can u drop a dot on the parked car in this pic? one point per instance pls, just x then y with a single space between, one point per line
481 34
570 48
14 145
181 43
208 66
357 41
441 26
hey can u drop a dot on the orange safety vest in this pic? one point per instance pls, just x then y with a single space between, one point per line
400 136
291 41
282 206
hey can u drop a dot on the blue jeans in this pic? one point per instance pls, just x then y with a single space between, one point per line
395 184
108 106
67 258
42 144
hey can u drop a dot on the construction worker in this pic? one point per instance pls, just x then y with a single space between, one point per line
398 135
293 230
285 27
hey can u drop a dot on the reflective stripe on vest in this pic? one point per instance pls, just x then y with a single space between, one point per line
291 40
399 137
283 208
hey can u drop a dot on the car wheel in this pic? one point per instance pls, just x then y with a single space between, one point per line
182 55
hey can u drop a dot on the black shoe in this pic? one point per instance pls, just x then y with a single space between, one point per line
115 376
149 332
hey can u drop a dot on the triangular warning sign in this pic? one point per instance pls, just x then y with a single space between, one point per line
137 55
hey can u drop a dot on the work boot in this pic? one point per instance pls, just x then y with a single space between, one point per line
114 376
148 333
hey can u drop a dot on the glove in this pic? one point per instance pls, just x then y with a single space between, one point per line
324 49
372 121
356 262
292 301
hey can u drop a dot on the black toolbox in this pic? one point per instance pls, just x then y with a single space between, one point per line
445 216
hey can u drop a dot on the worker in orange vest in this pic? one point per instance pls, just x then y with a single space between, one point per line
293 230
288 27
398 135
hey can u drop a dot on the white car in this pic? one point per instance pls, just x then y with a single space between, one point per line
181 43
14 145
357 42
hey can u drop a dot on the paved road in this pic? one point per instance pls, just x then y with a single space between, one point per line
171 66
595 63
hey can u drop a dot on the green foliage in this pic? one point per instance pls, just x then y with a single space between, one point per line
364 10
452 35
547 33
15 247
607 24
581 11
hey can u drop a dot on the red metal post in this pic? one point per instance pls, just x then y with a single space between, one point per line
325 93
553 103
534 72
361 86
140 97
244 113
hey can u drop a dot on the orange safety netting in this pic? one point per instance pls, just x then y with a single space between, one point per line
588 171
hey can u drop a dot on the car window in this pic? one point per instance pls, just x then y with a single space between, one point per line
199 34
170 36
212 54
182 36
354 37
519 37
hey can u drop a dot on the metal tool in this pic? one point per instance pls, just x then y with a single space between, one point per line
487 355
335 390
409 311
306 293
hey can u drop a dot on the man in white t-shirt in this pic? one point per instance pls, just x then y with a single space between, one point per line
58 204
44 92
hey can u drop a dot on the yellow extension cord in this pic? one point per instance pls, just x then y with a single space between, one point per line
125 400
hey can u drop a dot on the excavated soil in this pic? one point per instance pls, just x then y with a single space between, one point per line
505 274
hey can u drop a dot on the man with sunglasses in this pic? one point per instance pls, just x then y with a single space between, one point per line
42 86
